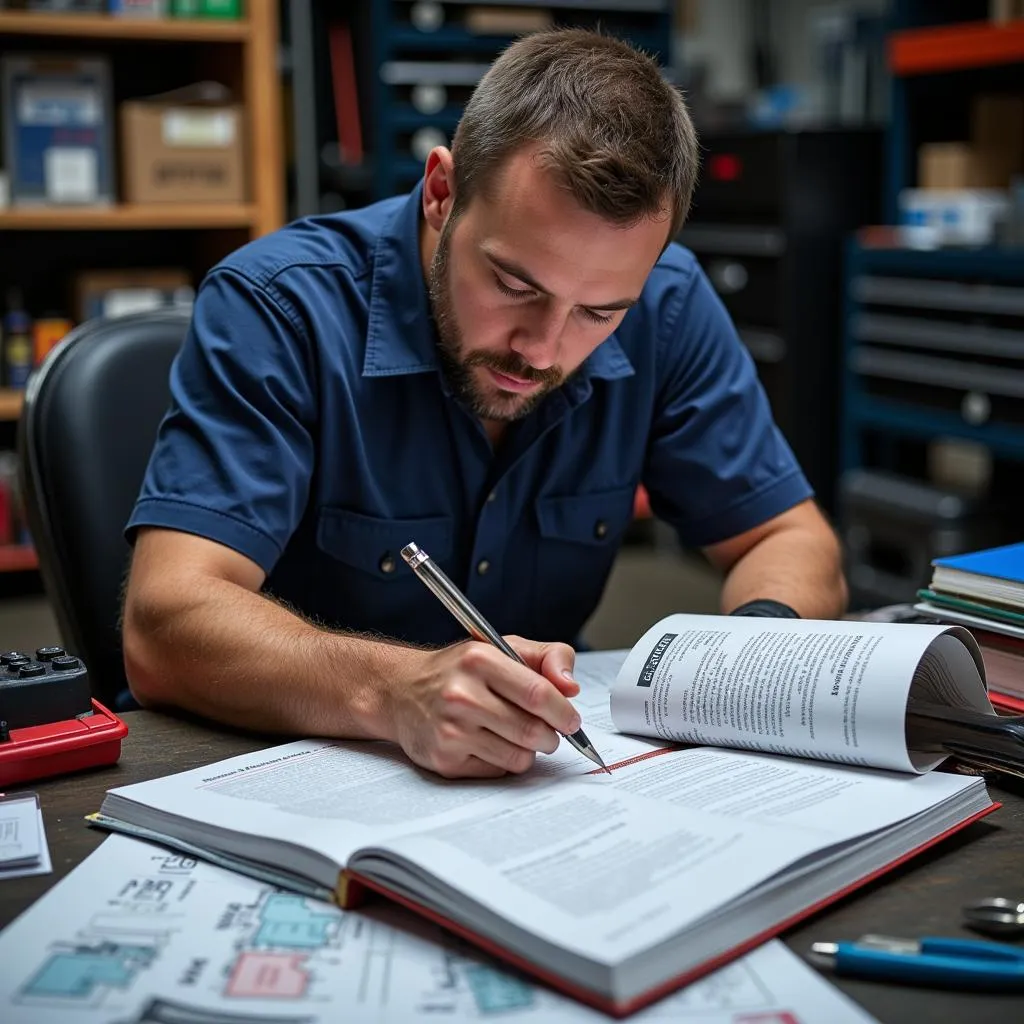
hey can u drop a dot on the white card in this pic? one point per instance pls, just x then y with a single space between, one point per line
72 174
41 864
20 838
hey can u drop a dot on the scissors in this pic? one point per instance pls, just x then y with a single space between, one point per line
951 963
996 915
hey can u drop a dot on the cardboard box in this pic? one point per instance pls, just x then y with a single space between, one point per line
997 123
182 152
505 20
956 165
1002 11
116 292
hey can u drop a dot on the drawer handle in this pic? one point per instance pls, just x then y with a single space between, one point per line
975 408
428 16
429 97
728 276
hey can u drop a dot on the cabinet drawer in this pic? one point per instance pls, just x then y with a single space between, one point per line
749 286
980 393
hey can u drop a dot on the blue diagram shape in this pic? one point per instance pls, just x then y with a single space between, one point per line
288 921
76 973
497 992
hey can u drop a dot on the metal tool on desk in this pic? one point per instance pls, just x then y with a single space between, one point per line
995 915
942 962
477 626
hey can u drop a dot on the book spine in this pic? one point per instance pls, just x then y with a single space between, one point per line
350 892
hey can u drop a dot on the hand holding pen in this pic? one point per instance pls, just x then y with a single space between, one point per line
531 699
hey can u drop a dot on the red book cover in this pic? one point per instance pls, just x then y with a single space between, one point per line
1006 702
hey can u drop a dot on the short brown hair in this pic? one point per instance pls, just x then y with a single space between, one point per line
615 133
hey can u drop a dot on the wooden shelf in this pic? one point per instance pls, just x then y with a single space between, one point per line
10 403
242 53
106 26
18 558
956 47
127 217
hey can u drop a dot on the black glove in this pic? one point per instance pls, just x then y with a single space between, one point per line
766 608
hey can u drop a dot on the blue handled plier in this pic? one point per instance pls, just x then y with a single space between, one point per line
955 963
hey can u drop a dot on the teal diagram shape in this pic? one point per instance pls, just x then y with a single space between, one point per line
77 973
288 921
497 992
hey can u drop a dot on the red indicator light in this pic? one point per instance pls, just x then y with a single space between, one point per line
724 167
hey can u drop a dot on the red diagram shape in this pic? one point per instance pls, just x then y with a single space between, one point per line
269 976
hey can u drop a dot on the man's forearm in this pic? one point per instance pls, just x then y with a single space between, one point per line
800 570
236 656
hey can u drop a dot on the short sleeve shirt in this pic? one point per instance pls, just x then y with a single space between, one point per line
312 430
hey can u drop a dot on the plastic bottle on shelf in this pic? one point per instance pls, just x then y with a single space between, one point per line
17 342
47 331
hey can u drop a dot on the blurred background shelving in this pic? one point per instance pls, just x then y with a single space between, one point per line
373 87
892 362
932 436
49 246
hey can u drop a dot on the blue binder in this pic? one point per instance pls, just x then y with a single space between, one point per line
1003 563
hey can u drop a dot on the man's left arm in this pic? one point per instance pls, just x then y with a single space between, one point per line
718 467
793 558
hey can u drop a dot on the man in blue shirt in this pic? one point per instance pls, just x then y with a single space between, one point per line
489 368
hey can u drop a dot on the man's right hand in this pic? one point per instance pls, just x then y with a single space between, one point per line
471 711
199 635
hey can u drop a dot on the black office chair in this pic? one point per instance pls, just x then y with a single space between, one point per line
86 431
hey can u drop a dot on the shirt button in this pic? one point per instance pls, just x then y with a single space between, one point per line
482 566
600 529
387 562
493 496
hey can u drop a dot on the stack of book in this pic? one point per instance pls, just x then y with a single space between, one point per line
984 591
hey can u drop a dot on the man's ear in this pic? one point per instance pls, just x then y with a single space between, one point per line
438 187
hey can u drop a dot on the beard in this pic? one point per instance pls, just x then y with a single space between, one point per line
458 366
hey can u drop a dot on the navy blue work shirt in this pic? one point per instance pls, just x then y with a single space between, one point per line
312 430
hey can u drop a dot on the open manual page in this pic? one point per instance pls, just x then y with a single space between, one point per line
837 691
139 935
615 889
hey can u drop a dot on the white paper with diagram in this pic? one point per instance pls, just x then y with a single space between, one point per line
140 935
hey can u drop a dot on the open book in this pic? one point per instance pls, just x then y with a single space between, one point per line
617 889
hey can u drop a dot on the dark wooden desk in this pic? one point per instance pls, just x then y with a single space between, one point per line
922 898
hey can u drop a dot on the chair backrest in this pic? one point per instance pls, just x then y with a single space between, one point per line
88 425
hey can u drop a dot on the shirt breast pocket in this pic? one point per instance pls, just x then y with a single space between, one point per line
373 545
580 536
